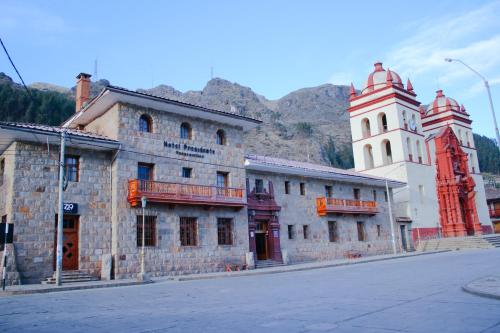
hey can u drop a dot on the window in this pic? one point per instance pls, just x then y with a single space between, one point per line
71 168
150 230
145 171
328 191
291 231
186 172
361 231
368 152
186 132
225 231
220 137
332 231
302 189
421 193
356 193
2 233
188 231
405 122
2 171
385 196
387 152
222 179
287 187
419 152
410 151
365 128
305 229
414 121
382 123
259 186
145 123
374 195
379 230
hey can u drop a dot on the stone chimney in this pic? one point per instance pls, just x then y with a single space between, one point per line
82 90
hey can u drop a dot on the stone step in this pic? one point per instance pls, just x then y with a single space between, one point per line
267 263
454 243
71 277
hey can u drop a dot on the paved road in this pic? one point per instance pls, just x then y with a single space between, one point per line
420 294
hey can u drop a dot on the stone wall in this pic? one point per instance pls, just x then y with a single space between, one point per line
299 210
34 197
168 257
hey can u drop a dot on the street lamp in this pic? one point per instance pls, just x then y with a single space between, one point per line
142 275
486 84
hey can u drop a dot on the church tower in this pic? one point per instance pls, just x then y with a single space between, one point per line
388 141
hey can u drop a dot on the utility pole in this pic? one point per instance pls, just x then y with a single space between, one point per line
393 237
60 211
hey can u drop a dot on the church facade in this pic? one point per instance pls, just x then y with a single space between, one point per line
430 149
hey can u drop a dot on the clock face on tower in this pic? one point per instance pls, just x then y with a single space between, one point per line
413 125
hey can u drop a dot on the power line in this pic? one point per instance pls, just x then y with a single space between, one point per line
15 68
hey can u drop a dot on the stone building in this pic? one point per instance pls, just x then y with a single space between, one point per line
207 206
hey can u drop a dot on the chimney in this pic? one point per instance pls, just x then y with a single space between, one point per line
82 90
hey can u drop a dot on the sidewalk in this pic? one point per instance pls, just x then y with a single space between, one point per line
42 288
486 287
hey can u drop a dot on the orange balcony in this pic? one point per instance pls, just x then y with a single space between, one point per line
173 193
345 206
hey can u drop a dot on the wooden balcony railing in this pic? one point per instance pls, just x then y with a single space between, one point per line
174 193
494 212
345 206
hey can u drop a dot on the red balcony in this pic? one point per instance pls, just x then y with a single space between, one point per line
173 193
494 212
345 206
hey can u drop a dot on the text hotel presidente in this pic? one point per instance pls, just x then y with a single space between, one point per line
210 206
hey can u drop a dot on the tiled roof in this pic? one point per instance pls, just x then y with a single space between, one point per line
55 129
304 166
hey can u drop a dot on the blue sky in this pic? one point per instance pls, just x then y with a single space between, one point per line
274 47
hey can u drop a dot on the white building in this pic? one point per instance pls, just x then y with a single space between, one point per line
394 137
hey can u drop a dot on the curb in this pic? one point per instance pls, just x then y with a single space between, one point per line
290 268
70 288
479 292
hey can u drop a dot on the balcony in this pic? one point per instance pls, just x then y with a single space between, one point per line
187 194
494 212
345 206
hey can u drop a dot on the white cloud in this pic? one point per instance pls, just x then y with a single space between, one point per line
471 37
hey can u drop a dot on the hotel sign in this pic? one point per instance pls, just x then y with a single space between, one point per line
187 150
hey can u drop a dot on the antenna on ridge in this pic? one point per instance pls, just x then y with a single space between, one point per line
95 69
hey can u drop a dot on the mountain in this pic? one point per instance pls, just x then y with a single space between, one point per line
309 124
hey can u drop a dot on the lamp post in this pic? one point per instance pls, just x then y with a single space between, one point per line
142 275
487 85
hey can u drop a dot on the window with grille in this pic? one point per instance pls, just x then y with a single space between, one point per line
71 168
287 187
225 231
291 232
149 230
145 171
188 231
305 229
332 231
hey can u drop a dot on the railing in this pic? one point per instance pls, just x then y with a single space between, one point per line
494 212
346 206
156 191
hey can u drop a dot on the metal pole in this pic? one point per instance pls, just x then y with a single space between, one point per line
486 84
4 257
143 271
393 238
60 212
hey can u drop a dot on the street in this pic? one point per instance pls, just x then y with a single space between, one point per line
418 294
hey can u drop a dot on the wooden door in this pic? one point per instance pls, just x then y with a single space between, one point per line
261 240
70 242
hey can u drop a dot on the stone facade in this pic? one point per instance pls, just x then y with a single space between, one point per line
299 210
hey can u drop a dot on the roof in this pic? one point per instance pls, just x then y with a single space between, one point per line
113 94
380 77
10 132
443 103
492 192
283 166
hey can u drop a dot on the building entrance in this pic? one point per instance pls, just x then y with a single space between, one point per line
70 243
261 240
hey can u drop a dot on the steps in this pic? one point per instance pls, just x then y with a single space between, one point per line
454 243
71 277
493 239
267 263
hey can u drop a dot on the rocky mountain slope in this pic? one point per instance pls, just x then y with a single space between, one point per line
309 124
